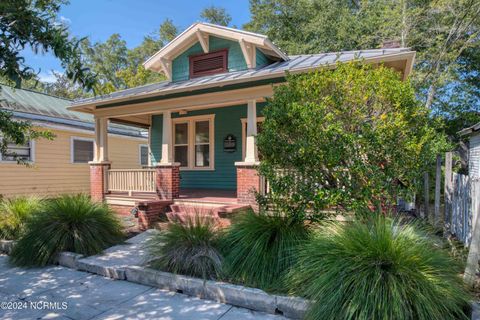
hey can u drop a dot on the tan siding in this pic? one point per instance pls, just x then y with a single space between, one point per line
53 173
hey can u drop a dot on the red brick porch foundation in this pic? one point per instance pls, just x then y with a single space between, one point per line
248 184
168 181
149 212
98 172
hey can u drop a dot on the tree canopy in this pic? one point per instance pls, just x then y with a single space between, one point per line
216 15
370 139
445 34
33 24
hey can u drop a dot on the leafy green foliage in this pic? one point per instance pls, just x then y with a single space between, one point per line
377 270
445 35
32 23
216 15
187 248
353 137
68 223
118 67
14 213
261 248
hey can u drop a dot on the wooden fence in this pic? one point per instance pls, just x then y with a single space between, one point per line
462 198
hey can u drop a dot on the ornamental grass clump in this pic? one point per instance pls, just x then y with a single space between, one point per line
188 248
68 223
14 214
261 248
378 270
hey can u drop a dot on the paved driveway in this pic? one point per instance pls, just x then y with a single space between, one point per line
62 293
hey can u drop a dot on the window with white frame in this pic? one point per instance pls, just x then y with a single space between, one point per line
143 155
82 150
193 142
18 152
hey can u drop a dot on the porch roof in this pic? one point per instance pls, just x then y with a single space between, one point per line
270 74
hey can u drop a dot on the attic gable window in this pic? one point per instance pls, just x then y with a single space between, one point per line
208 63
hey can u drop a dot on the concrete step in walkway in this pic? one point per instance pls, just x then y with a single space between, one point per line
78 295
118 261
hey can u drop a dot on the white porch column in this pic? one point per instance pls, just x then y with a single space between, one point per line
101 140
251 152
167 138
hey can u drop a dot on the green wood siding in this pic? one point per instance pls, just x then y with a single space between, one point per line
156 139
261 58
224 176
236 61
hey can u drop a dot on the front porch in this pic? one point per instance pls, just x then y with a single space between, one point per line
199 157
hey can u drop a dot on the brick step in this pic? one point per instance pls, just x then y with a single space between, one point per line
219 214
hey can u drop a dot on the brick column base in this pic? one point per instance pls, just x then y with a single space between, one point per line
248 184
98 172
150 212
168 181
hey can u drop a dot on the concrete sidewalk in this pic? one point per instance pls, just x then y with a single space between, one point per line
90 296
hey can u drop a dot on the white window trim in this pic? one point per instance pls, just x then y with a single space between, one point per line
72 139
32 155
140 146
244 132
191 141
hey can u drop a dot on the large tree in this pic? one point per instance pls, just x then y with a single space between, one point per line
370 141
119 67
32 24
216 15
445 34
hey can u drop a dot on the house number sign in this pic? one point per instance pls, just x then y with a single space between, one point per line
229 143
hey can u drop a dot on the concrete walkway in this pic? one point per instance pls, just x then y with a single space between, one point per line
81 295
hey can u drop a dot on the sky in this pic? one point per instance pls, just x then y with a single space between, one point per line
98 19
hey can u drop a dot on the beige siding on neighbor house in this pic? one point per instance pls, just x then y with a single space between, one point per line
54 173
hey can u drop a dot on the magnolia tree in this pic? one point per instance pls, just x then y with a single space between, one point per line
352 138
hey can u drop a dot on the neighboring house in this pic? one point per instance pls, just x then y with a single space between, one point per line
60 165
203 120
473 134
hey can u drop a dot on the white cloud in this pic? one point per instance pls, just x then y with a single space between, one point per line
65 20
48 76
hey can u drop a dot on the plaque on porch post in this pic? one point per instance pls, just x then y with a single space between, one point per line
230 143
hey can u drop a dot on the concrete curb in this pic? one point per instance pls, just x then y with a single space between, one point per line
254 299
106 271
6 246
68 259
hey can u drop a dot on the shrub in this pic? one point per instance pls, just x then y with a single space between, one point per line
68 223
14 213
260 248
351 137
377 270
188 248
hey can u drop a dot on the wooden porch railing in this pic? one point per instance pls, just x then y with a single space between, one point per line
132 180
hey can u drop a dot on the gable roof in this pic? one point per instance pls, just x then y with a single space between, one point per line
161 61
40 107
272 73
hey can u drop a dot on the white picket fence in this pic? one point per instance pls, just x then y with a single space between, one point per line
465 197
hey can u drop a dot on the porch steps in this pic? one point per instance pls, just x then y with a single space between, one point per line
219 214
125 200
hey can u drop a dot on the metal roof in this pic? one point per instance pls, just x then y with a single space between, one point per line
296 63
41 107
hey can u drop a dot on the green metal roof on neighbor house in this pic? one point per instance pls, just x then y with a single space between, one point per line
43 108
